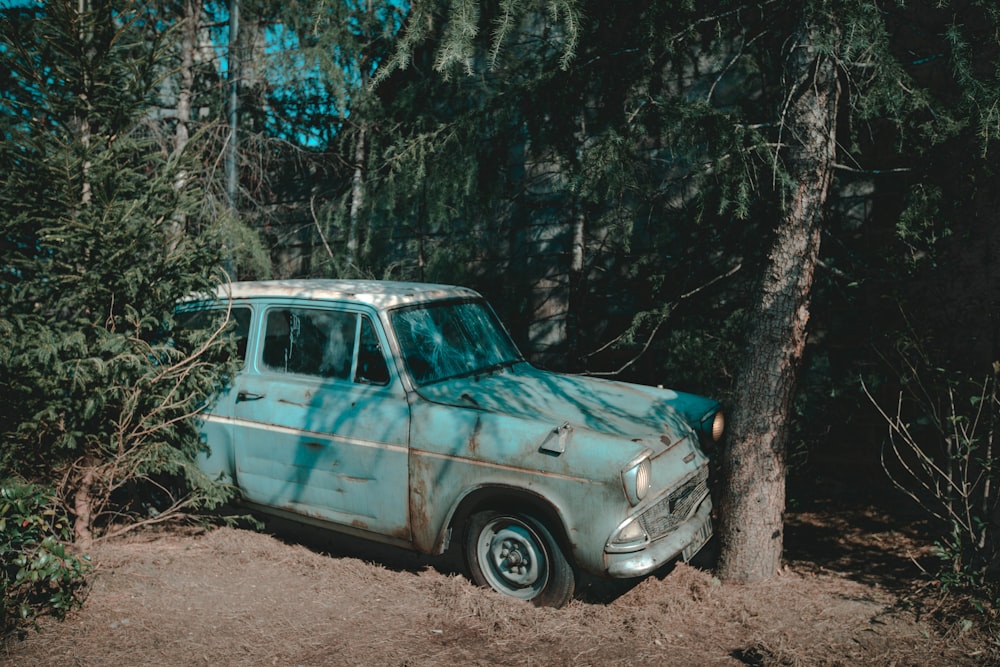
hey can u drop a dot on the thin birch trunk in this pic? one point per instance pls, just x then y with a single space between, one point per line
182 130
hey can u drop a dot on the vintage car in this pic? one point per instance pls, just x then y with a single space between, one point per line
404 413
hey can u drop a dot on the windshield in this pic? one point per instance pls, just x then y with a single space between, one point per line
447 340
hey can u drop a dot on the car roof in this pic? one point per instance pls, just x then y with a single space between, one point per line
378 293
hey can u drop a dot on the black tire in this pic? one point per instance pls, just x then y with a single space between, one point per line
515 554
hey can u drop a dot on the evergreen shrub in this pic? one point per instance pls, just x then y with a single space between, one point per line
40 576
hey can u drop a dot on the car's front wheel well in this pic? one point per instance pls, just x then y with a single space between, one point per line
509 499
514 542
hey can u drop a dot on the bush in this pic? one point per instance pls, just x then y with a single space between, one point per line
40 576
941 452
99 242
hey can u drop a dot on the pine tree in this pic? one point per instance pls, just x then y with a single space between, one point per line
100 239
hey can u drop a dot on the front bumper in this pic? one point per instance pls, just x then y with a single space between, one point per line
686 539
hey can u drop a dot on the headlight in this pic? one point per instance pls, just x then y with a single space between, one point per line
718 426
637 478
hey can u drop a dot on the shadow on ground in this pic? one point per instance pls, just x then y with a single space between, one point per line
870 541
590 589
867 544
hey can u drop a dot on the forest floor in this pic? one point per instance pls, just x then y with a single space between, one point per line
851 593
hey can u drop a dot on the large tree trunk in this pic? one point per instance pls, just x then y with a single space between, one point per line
753 501
86 36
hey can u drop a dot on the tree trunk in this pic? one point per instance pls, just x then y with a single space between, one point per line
86 37
576 306
182 131
189 42
358 179
357 194
753 501
83 502
233 84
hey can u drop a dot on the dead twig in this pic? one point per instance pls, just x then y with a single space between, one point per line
664 316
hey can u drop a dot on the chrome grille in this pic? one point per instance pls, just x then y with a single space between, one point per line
675 507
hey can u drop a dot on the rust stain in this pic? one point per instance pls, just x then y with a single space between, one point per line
354 478
474 438
401 534
419 521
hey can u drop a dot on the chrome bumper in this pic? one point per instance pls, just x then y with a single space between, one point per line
686 539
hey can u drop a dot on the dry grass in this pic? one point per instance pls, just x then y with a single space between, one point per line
235 597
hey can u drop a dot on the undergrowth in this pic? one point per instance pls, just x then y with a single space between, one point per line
39 574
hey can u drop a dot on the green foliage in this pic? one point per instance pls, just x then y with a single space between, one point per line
39 575
921 225
459 45
976 75
102 233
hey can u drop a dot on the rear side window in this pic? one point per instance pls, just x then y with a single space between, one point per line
195 327
323 343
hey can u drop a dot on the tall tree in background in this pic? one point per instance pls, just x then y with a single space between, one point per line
310 83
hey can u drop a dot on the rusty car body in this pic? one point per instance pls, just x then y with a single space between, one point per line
404 413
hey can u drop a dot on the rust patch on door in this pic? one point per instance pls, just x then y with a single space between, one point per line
474 438
419 521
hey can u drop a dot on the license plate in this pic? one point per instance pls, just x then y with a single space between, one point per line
701 536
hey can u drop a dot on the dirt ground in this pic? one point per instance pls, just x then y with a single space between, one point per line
293 596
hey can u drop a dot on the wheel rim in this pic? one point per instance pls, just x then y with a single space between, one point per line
513 557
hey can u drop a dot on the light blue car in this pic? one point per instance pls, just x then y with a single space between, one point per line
404 413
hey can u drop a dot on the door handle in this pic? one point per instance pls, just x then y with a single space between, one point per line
247 396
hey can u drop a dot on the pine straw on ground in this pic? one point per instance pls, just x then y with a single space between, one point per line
235 597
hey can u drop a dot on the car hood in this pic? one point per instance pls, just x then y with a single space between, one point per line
612 408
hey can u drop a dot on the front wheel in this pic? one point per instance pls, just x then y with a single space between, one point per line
516 555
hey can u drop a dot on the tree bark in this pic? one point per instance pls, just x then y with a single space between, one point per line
576 286
189 42
357 194
83 502
754 463
182 131
86 37
233 84
358 179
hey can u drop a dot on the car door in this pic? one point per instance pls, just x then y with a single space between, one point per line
215 421
321 420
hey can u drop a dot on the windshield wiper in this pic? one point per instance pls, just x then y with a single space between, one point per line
495 368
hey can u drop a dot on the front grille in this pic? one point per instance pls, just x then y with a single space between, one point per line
675 507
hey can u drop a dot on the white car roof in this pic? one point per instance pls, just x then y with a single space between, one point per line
378 293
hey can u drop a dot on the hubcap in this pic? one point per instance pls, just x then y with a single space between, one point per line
513 558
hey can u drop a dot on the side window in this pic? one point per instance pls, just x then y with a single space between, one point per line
371 360
201 323
311 341
241 332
